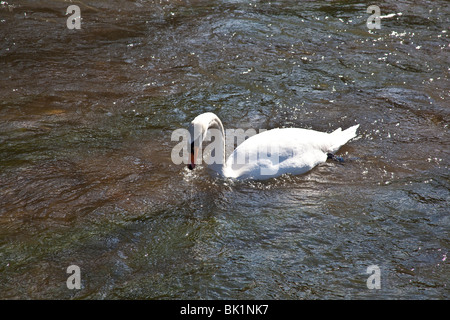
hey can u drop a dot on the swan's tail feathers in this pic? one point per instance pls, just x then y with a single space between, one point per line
337 130
350 133
342 137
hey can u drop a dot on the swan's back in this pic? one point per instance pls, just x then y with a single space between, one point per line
280 151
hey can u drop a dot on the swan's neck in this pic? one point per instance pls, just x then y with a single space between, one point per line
218 161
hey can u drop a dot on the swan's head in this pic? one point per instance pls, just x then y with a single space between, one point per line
198 130
193 157
197 133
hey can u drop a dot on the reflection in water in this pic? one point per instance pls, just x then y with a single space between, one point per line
87 179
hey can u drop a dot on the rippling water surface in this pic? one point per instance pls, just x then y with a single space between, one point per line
86 175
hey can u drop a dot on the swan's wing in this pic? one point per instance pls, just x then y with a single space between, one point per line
278 151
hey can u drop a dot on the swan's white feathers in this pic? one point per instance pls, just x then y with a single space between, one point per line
278 151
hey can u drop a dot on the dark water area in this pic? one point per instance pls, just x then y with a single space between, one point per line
86 176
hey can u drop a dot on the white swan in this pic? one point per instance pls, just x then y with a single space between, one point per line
270 153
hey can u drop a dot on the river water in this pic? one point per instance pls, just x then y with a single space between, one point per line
86 176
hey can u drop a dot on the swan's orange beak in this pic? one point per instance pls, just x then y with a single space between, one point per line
194 153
